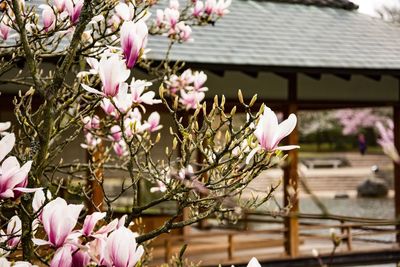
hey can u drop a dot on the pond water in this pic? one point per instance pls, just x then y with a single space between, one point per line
377 208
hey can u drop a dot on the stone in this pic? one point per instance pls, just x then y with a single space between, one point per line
373 187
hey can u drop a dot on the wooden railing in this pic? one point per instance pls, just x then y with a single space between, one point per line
348 230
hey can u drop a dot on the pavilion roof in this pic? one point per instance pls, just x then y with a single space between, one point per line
259 34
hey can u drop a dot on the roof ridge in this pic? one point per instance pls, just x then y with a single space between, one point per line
341 4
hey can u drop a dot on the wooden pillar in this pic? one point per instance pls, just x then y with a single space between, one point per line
290 178
396 121
97 195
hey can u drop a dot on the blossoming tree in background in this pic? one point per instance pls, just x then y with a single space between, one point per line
79 58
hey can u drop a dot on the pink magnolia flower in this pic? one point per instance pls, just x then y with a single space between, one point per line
160 188
4 29
120 148
386 140
59 220
4 126
14 232
123 100
171 17
210 6
108 107
198 81
154 122
62 257
137 88
174 4
191 99
198 9
91 141
184 31
91 123
49 18
39 199
125 11
160 18
91 221
112 72
13 177
116 133
221 8
253 263
121 249
74 8
133 40
60 5
269 132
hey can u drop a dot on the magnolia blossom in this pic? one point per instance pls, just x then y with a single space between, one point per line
174 4
121 249
210 6
13 177
74 8
91 123
133 40
108 107
191 100
91 221
62 257
125 11
269 132
137 89
120 148
221 7
154 122
171 17
5 263
183 31
253 263
116 133
49 18
386 140
4 28
60 5
91 142
94 67
4 126
39 199
12 236
199 78
59 219
198 8
112 72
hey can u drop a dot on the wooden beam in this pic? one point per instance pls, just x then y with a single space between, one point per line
346 77
374 77
252 74
396 121
315 76
290 179
220 73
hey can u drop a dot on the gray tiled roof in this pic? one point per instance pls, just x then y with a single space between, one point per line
263 33
345 4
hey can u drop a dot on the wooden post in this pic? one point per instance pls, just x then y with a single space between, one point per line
290 178
396 121
97 196
231 246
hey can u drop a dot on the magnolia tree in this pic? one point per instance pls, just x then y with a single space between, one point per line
79 58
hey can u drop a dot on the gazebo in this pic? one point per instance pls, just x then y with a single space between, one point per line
298 54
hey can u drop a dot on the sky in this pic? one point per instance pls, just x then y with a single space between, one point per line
369 6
